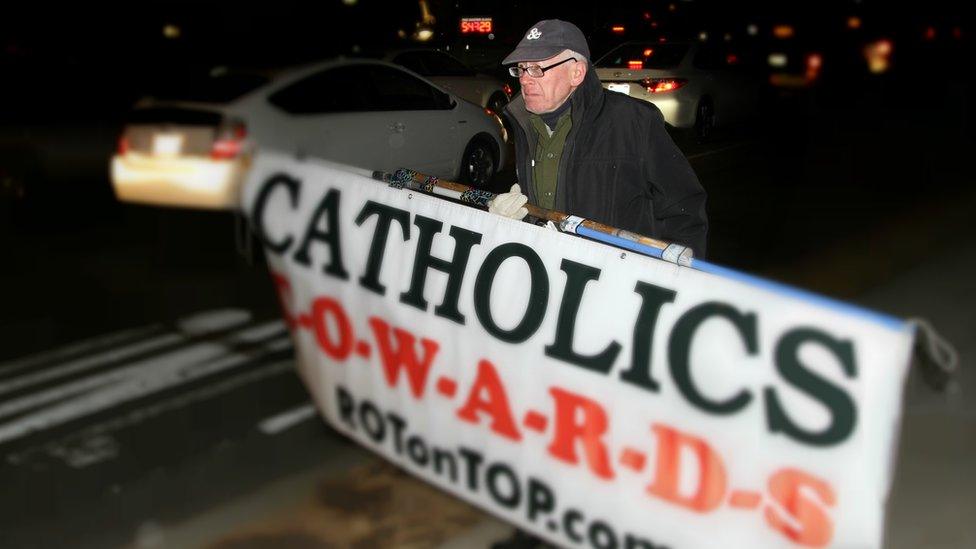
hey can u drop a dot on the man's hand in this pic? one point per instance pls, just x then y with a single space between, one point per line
510 204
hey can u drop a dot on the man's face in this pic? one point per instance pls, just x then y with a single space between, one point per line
548 92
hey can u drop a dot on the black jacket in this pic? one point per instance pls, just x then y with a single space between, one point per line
619 167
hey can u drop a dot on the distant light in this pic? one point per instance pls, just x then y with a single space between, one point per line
957 33
814 61
653 24
930 33
424 34
703 36
853 22
752 29
777 60
672 7
402 33
349 2
171 31
647 15
635 64
783 31
732 59
648 52
878 55
662 39
617 29
728 37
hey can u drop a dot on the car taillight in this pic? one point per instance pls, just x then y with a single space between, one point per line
508 90
661 85
229 140
123 145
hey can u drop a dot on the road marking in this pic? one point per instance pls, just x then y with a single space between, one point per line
86 345
716 151
139 380
196 354
278 423
202 323
66 446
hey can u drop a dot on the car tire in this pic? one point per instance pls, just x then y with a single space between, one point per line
704 120
478 163
497 102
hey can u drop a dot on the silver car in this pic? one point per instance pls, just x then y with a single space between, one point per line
695 85
454 76
195 150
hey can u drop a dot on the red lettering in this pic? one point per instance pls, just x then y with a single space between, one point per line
404 356
711 472
580 419
494 403
808 523
322 308
283 286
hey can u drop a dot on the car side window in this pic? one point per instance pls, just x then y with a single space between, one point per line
396 90
442 64
413 60
341 89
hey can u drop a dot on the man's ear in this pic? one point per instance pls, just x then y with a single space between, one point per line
579 72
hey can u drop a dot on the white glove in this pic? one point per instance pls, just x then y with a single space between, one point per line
510 204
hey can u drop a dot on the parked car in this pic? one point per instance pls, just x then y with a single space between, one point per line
194 149
454 76
695 85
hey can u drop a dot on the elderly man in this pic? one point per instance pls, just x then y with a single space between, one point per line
593 153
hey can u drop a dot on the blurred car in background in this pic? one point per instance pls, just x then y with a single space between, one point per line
193 149
454 76
697 86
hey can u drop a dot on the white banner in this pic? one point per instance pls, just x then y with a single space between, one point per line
593 396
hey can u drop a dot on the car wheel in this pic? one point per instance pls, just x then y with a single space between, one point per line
497 102
704 120
478 163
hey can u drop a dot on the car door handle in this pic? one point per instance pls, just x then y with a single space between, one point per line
398 127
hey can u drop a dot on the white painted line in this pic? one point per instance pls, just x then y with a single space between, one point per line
278 423
183 358
64 445
717 151
145 378
107 340
89 362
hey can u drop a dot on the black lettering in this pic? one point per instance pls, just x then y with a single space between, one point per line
398 425
346 406
372 421
329 209
577 277
601 536
538 292
652 299
472 461
385 216
541 500
679 353
293 186
423 261
514 496
417 451
843 412
442 457
571 518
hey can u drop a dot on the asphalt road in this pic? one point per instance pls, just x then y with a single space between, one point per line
146 381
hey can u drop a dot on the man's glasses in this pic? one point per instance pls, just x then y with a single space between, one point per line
535 71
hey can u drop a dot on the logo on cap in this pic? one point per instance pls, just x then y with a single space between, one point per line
533 34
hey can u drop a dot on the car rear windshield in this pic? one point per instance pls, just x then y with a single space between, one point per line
220 88
650 55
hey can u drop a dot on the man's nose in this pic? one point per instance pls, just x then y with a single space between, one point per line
524 78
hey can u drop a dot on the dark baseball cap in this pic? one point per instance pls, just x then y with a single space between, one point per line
546 39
